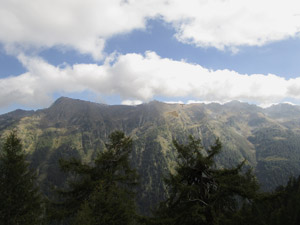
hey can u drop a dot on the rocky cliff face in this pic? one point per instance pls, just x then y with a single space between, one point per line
268 138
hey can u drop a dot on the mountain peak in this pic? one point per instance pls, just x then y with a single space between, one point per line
66 101
62 100
155 102
67 108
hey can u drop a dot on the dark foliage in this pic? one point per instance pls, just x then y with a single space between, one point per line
20 199
100 193
201 193
279 207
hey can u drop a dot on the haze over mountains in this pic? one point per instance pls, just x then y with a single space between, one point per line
269 139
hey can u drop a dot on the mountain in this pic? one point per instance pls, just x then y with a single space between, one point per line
269 139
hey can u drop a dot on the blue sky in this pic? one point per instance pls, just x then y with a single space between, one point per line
129 52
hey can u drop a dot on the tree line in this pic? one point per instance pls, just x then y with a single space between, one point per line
103 192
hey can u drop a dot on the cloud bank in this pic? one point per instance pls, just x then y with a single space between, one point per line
85 25
139 78
232 23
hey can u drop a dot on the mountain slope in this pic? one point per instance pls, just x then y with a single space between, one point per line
268 138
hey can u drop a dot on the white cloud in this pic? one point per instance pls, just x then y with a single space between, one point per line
272 104
141 78
85 25
204 102
232 23
174 102
131 102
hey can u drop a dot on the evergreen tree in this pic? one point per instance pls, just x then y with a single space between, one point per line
282 206
20 199
109 205
101 192
201 193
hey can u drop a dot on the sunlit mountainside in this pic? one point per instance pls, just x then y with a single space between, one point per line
269 139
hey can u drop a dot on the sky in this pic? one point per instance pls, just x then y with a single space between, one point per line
135 51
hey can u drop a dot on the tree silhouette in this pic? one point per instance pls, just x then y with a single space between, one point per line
199 191
101 192
20 199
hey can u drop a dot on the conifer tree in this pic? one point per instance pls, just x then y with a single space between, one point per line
201 193
101 192
282 206
20 199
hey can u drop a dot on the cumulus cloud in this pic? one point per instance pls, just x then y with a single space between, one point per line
141 78
85 25
233 23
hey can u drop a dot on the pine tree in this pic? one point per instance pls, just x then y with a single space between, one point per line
101 192
20 199
201 193
282 206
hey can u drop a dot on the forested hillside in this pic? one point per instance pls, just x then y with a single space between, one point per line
269 139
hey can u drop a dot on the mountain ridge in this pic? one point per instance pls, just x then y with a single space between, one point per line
269 139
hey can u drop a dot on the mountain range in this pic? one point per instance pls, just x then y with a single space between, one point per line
268 138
